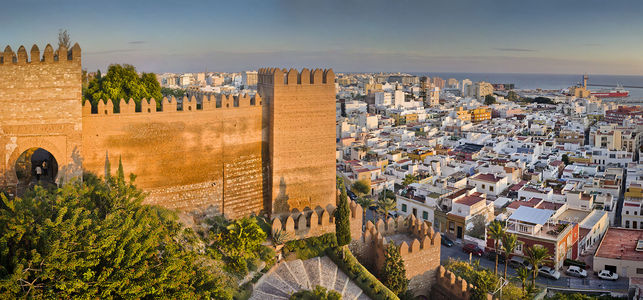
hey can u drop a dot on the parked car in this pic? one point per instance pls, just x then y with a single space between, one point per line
548 272
473 248
491 255
576 271
446 241
518 262
607 275
393 214
351 195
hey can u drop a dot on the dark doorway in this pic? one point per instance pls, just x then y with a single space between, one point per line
36 166
415 212
459 235
610 268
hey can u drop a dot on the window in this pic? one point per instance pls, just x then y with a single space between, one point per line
519 247
639 270
491 188
627 212
634 223
627 224
523 228
451 226
483 186
425 215
404 207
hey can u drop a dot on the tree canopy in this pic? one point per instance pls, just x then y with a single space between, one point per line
342 217
123 82
489 99
393 273
361 187
94 239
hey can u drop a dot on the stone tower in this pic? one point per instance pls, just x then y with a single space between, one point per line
40 107
299 138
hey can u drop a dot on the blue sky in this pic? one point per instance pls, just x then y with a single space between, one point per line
563 36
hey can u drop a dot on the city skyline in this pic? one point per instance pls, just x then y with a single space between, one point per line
547 37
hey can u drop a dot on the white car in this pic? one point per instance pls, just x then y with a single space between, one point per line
607 275
548 272
576 271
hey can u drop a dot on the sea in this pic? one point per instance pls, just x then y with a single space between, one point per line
550 81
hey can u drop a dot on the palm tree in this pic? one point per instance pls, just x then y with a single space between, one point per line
496 231
523 275
385 205
536 256
509 243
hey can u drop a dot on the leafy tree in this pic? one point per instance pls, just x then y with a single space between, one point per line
342 218
489 99
536 256
94 239
361 188
483 280
393 273
237 242
408 179
123 82
542 100
479 223
64 40
565 159
319 293
509 243
496 231
386 205
512 96
169 92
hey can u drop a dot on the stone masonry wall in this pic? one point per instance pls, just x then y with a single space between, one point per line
418 244
300 112
183 157
40 107
448 286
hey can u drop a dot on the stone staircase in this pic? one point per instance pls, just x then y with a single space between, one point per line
293 276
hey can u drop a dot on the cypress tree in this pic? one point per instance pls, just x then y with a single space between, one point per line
120 173
342 217
393 273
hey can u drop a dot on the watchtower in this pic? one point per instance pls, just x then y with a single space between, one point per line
299 138
40 107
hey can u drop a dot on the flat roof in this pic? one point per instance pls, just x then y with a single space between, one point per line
620 243
531 215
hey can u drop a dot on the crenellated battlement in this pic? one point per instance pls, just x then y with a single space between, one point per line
420 236
315 222
10 58
200 102
276 76
452 287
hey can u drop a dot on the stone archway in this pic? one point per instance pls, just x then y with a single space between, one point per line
35 166
22 145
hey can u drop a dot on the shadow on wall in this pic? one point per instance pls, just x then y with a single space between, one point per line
281 202
72 169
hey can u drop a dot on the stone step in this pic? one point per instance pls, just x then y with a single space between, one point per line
328 272
259 295
313 270
363 296
287 277
283 288
341 282
269 289
352 291
297 269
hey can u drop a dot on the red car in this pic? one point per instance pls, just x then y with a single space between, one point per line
473 248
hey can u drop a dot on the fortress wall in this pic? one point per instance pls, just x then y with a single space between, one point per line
300 111
182 157
40 107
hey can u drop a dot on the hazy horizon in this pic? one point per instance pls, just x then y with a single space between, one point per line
540 37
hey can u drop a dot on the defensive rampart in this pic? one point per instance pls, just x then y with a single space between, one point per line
40 108
418 244
448 286
315 222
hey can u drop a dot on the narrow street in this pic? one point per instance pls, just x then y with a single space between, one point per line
590 283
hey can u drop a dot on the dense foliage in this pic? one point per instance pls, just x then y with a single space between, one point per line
579 296
318 293
342 217
483 280
94 239
393 273
360 275
310 247
123 82
169 92
361 188
489 99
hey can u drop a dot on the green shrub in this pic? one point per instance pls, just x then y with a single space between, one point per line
310 247
360 275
